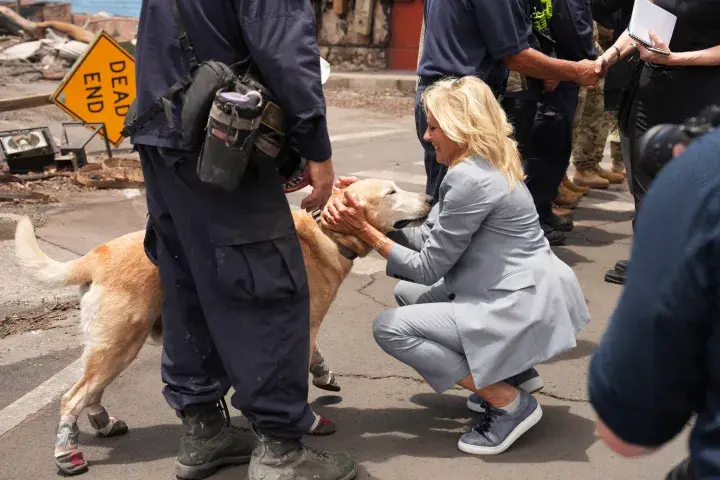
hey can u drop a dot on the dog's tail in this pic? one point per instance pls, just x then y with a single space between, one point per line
43 268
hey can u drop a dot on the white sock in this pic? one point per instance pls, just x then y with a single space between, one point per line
512 406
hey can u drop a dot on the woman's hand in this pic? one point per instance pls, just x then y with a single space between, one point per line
606 60
653 57
344 214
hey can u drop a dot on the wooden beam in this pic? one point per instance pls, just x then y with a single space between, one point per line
30 101
341 7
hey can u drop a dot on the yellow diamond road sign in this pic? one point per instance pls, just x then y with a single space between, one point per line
100 87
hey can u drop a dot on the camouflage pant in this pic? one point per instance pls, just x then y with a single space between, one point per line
592 124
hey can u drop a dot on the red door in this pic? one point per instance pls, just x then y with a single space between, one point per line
405 25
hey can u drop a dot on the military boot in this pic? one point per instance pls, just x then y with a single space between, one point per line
281 459
589 178
611 177
573 187
567 198
211 442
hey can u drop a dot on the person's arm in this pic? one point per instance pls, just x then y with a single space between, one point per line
708 57
506 32
533 63
647 376
622 47
282 41
466 204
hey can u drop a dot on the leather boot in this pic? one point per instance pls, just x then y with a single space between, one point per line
562 212
618 166
281 459
590 178
611 177
573 187
211 442
567 198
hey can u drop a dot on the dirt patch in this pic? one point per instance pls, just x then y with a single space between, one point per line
391 101
41 318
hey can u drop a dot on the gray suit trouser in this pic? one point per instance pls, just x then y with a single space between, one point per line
423 334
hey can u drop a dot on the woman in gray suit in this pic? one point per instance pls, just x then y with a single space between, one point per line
483 298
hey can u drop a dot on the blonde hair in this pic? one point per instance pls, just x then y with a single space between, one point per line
469 114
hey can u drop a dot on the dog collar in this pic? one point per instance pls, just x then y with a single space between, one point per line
344 251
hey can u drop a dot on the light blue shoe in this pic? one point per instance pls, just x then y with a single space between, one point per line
498 430
528 381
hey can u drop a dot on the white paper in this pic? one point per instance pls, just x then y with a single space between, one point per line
324 70
647 16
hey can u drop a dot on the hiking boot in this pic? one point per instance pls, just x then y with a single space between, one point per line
554 237
590 178
567 198
498 429
528 381
562 212
611 177
618 166
573 187
281 459
557 222
211 442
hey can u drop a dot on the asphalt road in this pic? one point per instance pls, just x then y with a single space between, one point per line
390 421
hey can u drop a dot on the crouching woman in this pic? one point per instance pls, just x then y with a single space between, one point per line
483 299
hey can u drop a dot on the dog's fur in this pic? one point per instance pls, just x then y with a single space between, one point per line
121 294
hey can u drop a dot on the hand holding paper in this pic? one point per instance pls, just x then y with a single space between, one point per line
660 53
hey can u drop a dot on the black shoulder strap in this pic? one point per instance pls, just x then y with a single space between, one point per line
164 104
184 38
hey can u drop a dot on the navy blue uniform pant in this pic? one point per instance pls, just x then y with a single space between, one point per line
546 153
236 300
434 171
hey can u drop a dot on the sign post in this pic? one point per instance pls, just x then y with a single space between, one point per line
100 87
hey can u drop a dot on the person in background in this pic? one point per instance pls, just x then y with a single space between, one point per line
590 135
483 298
483 38
666 88
658 363
548 146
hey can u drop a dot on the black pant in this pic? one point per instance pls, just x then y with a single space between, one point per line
236 301
666 95
546 153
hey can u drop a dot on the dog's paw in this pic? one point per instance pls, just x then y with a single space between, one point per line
322 426
327 382
71 463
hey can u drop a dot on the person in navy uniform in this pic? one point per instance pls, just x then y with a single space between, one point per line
486 38
236 302
549 145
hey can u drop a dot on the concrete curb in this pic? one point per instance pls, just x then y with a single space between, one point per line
8 224
404 82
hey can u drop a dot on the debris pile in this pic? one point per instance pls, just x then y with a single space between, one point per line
48 48
43 187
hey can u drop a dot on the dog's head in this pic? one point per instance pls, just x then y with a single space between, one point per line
388 207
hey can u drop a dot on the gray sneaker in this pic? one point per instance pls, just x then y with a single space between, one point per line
498 430
529 381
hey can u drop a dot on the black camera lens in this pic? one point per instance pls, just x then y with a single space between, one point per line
656 146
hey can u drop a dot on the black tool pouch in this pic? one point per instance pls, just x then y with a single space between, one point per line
210 78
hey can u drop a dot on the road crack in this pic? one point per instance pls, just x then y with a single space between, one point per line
370 283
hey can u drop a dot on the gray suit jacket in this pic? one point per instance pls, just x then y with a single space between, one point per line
516 304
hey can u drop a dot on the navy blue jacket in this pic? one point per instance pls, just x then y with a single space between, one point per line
280 36
659 361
